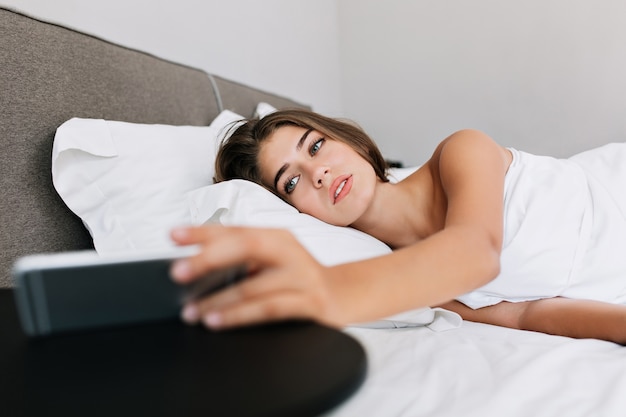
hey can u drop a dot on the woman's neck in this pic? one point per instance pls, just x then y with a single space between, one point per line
404 213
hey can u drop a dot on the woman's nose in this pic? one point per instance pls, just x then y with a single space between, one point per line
320 175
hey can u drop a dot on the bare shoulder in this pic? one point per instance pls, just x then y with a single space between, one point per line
470 143
468 168
467 152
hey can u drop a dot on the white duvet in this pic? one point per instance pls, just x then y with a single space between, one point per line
471 370
483 370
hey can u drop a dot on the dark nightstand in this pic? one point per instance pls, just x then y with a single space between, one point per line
169 369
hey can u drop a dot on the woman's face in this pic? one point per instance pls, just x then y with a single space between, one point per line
319 176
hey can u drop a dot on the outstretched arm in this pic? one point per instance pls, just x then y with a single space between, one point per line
580 319
468 168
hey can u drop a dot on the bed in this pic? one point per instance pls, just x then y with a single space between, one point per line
60 86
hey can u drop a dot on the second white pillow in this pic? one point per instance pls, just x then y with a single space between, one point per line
243 203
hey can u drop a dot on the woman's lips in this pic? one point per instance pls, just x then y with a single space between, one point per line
340 188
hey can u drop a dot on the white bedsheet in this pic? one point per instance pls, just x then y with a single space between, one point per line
483 370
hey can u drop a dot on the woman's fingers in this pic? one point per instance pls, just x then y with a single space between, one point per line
267 285
227 246
268 296
286 305
287 282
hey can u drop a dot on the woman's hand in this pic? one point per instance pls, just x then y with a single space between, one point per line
284 281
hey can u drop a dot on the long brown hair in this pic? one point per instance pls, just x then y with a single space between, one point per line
237 157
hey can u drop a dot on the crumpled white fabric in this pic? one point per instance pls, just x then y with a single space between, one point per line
564 229
436 319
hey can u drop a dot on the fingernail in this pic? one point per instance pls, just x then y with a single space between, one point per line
213 320
179 233
190 314
181 270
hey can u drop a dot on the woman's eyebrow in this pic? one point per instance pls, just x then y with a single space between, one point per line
302 139
282 169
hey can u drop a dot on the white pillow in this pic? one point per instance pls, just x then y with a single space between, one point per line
127 181
132 183
244 203
263 109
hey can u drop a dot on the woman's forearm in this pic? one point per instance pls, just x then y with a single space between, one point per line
582 319
576 318
430 272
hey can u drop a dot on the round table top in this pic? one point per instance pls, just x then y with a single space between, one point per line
170 369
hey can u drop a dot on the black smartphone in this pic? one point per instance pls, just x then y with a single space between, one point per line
81 290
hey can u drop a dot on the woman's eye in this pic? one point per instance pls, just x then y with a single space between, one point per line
290 185
315 147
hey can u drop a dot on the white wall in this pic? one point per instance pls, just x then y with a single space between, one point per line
282 46
547 76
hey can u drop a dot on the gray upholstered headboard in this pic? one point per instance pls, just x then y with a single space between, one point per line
50 74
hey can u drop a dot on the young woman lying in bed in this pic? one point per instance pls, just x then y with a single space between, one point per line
498 235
